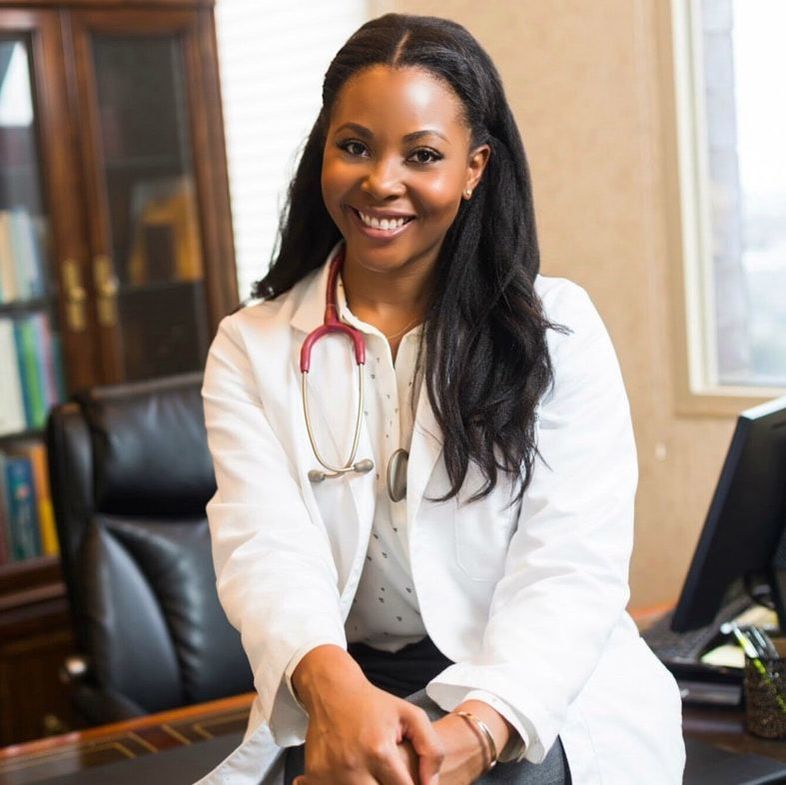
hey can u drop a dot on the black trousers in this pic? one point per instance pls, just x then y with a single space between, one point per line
404 674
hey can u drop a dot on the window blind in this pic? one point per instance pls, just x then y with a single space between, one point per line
272 57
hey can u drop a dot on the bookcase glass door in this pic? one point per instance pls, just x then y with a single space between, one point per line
31 371
150 291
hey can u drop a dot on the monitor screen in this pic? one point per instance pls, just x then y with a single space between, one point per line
745 521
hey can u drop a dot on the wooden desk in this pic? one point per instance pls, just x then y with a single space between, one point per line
35 761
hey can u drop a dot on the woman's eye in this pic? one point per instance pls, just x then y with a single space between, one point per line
353 148
425 156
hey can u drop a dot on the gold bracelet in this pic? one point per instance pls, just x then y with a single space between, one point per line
485 733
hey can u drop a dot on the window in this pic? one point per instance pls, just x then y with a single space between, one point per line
273 56
730 61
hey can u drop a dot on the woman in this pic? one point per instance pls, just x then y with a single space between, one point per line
463 601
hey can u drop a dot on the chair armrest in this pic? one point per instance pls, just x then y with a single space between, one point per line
95 705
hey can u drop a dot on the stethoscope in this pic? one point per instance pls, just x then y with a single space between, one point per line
396 476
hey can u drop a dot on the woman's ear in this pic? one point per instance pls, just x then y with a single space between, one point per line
478 158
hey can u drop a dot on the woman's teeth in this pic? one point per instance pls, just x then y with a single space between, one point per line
386 224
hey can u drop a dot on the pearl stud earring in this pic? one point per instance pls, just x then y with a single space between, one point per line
468 193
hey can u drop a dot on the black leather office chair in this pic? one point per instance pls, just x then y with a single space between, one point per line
130 475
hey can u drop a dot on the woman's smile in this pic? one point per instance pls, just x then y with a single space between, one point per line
381 225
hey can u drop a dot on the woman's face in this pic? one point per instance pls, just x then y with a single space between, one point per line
397 163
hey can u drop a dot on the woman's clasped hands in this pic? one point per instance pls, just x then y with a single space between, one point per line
359 734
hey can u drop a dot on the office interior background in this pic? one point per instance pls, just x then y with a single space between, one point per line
653 134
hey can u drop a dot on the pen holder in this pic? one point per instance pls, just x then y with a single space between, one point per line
765 697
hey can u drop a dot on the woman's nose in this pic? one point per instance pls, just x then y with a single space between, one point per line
384 179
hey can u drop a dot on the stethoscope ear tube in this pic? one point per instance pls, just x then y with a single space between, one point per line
397 465
364 465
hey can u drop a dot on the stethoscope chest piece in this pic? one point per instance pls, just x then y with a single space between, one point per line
397 475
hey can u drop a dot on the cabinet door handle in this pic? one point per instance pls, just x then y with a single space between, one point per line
75 296
106 290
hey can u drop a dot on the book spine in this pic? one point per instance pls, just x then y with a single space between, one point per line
30 253
7 265
32 382
21 365
19 255
12 408
44 363
46 518
38 268
25 538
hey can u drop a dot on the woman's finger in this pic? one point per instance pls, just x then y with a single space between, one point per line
427 743
391 769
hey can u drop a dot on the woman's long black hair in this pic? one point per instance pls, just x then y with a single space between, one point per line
485 332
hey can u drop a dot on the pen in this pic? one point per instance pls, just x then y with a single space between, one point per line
753 656
765 643
751 633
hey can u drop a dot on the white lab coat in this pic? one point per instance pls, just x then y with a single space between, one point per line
529 603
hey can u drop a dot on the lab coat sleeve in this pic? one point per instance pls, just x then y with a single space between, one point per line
565 582
275 574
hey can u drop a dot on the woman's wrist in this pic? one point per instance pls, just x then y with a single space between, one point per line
465 758
484 736
500 729
320 670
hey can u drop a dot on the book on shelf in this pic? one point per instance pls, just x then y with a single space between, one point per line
12 407
8 284
27 521
20 509
32 378
29 371
27 255
36 452
45 359
21 257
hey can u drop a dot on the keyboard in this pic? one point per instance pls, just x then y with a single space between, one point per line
679 647
685 648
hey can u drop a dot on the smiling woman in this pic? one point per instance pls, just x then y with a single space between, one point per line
466 607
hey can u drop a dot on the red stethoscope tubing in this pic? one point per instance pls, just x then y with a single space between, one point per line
331 321
333 325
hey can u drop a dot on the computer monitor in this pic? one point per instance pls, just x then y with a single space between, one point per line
742 543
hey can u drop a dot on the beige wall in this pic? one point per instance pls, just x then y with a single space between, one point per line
584 82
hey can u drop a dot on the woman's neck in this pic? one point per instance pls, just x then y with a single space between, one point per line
389 300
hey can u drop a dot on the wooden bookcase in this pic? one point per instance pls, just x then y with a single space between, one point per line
112 162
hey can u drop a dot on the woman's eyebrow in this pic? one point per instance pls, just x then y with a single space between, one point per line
360 130
365 133
415 135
